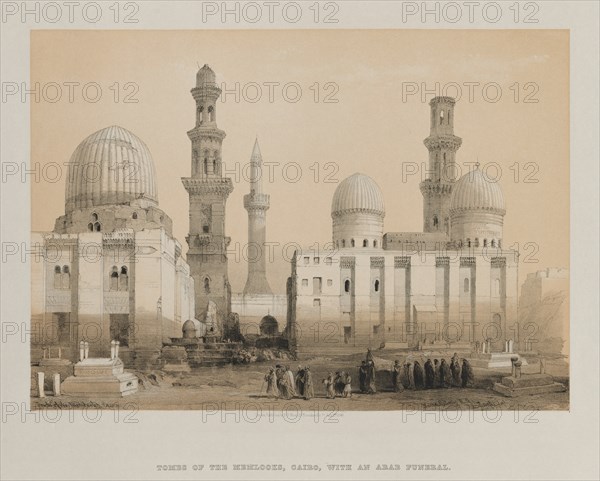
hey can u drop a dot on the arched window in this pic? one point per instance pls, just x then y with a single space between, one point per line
484 242
468 242
94 217
207 285
435 221
493 242
57 278
497 287
210 113
91 227
347 285
97 227
199 111
66 277
376 286
114 279
205 165
351 242
441 116
134 215
365 243
374 243
476 241
214 166
123 279
444 156
343 242
466 284
205 228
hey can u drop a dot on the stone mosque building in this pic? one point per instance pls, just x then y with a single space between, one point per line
453 284
111 267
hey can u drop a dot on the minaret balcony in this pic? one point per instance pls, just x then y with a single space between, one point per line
222 186
446 142
432 187
257 201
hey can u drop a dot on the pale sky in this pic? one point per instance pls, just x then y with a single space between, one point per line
371 129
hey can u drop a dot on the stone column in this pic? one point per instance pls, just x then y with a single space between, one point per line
113 348
81 350
86 350
511 345
56 385
542 365
41 391
518 369
117 344
513 360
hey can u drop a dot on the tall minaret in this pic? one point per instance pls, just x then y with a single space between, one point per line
257 204
442 145
208 191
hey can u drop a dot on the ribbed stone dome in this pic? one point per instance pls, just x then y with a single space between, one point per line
205 76
357 193
473 192
111 166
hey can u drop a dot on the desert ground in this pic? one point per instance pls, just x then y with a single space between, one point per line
234 387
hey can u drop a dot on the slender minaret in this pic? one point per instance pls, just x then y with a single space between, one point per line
257 204
208 191
442 145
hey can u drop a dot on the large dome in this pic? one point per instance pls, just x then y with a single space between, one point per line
111 166
357 194
473 192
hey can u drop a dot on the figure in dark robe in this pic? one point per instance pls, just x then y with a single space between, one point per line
362 376
369 358
468 379
429 374
371 387
339 382
437 374
406 375
411 375
300 381
396 377
309 392
446 374
419 376
271 379
455 369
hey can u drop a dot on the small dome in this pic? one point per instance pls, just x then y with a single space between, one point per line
111 166
205 76
474 192
357 193
188 325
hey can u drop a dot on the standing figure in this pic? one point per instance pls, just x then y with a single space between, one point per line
271 379
309 392
300 381
467 376
362 376
455 369
437 374
446 374
291 381
348 386
411 375
338 383
371 387
396 375
419 376
429 374
329 382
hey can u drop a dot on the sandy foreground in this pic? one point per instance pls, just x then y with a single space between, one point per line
242 387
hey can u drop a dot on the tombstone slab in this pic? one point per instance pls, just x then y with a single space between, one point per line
99 378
